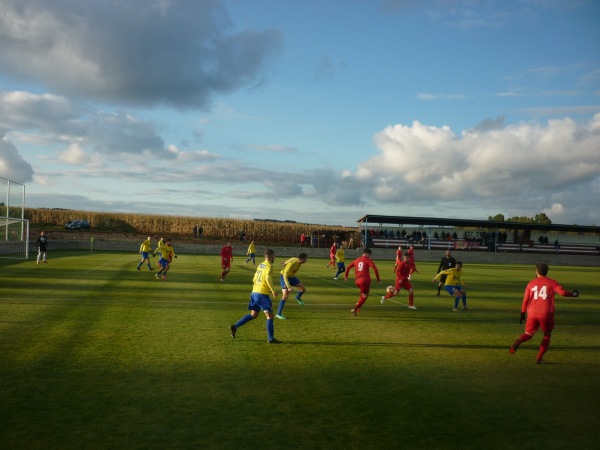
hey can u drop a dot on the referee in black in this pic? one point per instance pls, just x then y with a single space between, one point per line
447 262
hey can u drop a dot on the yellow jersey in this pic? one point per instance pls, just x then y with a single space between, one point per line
340 256
146 246
262 282
453 276
166 251
292 266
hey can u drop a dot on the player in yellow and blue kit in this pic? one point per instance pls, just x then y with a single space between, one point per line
259 298
167 252
454 285
288 280
340 257
145 249
251 252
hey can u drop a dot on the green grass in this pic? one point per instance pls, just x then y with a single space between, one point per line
95 354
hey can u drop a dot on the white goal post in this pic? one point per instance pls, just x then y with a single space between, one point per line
14 228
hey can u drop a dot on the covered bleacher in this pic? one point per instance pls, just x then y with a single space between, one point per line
478 235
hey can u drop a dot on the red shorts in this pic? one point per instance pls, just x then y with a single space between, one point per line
364 286
226 263
535 323
404 283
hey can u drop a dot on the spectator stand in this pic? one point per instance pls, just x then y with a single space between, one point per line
478 235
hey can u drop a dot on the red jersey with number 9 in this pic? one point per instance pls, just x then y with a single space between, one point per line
361 266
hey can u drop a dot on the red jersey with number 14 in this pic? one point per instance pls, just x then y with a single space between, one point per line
538 300
361 267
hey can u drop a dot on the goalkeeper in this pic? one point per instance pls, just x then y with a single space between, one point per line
538 308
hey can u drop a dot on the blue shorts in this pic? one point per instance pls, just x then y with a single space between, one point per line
341 267
145 255
292 280
260 301
162 262
451 288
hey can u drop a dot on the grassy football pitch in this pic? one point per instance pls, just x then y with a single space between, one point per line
95 354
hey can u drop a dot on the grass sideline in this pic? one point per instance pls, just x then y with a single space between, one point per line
95 354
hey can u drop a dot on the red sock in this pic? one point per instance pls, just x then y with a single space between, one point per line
525 337
544 346
410 299
361 302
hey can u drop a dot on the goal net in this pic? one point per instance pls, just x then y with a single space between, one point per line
14 229
14 238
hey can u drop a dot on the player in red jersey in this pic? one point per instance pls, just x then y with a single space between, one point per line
538 305
332 252
226 258
402 281
411 260
398 257
362 277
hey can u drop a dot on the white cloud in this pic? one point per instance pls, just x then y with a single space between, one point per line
74 155
524 167
178 52
86 133
12 164
276 148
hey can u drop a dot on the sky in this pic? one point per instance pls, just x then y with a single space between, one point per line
317 111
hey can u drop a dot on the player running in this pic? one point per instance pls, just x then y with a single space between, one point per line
362 275
332 251
398 258
538 306
226 258
411 260
251 253
340 257
145 250
454 285
402 281
167 252
259 298
288 280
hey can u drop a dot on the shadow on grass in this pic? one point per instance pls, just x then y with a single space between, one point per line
592 348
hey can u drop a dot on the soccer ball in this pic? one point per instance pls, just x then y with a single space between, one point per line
390 289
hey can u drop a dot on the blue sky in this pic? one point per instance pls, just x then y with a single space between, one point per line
314 111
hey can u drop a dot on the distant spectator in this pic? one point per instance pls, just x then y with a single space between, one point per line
200 231
195 231
302 240
557 246
242 236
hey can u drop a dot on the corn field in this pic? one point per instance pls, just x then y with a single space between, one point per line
219 228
